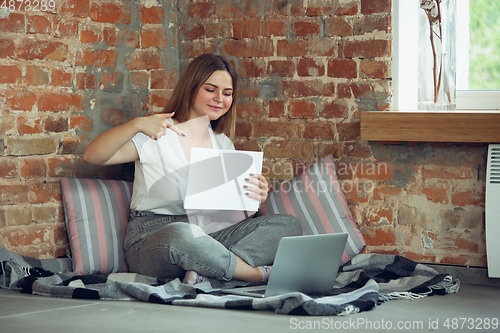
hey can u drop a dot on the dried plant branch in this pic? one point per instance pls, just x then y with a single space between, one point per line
434 73
432 9
438 5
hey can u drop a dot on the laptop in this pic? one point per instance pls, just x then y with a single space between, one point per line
306 264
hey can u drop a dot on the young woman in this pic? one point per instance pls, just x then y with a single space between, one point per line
159 239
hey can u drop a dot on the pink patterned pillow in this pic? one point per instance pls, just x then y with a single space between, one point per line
315 197
97 213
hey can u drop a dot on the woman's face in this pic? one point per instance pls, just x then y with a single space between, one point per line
214 97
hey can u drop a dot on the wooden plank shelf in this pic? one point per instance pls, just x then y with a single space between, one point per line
442 126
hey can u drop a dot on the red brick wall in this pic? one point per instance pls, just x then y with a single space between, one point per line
307 68
66 75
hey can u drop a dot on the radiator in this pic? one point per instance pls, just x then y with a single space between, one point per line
492 208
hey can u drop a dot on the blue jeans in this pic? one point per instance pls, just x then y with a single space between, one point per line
168 245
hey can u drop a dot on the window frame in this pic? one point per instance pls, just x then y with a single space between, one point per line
477 118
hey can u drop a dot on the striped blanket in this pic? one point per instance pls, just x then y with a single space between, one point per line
366 281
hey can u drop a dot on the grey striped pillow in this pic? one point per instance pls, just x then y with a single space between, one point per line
97 213
315 197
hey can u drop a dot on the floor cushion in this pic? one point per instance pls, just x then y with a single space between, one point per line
96 213
315 197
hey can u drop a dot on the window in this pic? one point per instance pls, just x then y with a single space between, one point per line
477 118
478 54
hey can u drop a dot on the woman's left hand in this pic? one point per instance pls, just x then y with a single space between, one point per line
259 188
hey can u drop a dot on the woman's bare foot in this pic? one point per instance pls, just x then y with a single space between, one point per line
192 277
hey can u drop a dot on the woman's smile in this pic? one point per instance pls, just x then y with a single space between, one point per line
215 108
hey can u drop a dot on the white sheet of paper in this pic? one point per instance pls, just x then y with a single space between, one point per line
216 179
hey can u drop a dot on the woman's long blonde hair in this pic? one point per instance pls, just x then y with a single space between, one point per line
193 78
